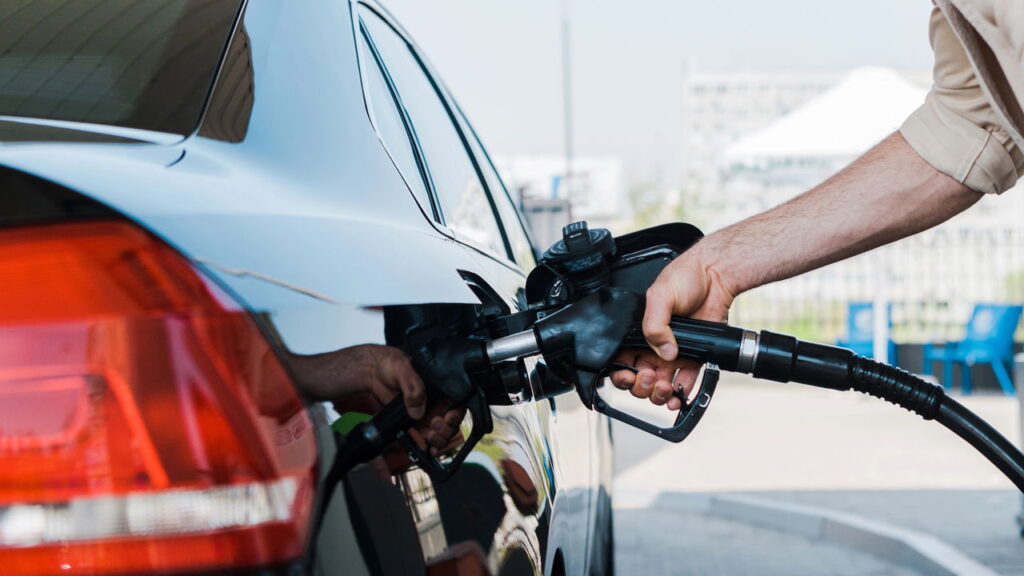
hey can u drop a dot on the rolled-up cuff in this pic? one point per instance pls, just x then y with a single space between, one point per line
980 159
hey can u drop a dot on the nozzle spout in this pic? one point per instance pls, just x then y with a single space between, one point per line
513 346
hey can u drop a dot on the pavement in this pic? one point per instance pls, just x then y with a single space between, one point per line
674 542
786 479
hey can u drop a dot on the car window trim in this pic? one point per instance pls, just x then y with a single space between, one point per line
446 101
523 225
410 130
207 99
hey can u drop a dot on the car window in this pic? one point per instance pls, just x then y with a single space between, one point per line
390 125
519 242
522 250
465 206
142 64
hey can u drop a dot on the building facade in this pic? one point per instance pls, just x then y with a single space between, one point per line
719 109
931 280
595 192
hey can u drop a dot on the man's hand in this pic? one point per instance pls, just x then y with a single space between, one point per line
366 377
887 194
688 286
375 375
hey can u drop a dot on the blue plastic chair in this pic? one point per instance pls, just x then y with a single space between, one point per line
860 331
989 341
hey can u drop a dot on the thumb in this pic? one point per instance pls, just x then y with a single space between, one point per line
657 315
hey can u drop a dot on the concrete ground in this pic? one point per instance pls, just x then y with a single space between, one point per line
795 445
672 542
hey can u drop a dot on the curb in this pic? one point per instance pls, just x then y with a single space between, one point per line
920 552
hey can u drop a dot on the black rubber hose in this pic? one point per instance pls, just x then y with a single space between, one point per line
783 358
894 385
984 438
907 390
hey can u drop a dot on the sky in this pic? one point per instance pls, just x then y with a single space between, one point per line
503 62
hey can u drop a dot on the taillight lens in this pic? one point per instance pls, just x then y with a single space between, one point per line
145 423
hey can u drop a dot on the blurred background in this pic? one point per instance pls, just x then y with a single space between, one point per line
629 115
634 114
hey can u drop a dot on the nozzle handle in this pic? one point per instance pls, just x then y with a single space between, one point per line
712 344
728 347
686 419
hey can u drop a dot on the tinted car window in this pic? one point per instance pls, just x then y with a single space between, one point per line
522 250
142 64
465 206
389 123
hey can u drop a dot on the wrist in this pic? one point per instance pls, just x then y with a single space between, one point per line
721 277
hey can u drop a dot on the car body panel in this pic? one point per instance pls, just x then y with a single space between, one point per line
307 222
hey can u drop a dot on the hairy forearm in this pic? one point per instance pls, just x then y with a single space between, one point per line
887 194
331 374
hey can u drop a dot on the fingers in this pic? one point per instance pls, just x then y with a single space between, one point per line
683 382
452 446
625 379
454 417
413 391
454 420
395 373
644 382
654 380
444 434
662 384
686 378
658 314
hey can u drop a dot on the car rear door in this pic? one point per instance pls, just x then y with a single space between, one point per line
464 198
577 437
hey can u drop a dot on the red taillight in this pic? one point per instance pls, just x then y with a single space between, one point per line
145 424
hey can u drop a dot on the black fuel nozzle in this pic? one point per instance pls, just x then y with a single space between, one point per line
584 300
458 373
580 342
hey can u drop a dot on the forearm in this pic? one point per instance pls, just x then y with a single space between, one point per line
365 370
316 375
887 194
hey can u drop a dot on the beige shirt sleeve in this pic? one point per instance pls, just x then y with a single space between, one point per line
957 130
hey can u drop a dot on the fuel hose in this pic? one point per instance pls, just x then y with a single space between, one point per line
783 358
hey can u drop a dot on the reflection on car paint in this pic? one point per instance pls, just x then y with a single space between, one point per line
426 513
477 504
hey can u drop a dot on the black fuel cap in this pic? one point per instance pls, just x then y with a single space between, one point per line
582 254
